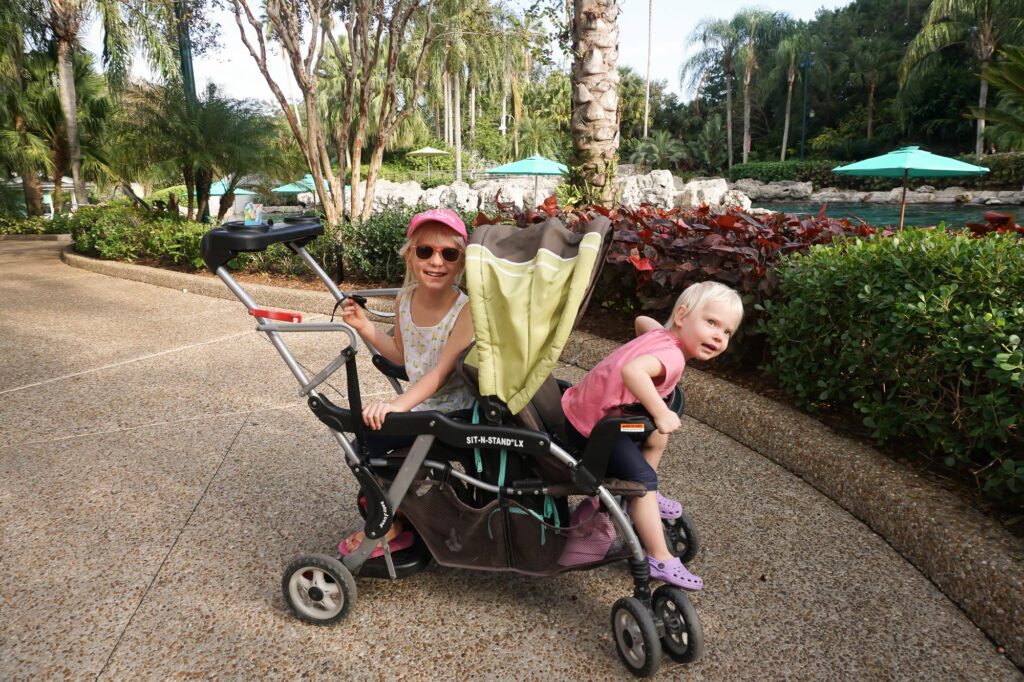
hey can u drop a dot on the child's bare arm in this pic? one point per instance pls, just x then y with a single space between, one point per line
389 347
638 376
644 324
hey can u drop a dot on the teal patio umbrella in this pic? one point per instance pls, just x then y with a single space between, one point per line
536 166
909 162
220 188
306 184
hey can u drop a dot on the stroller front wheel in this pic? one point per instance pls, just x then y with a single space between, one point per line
684 637
681 537
636 636
318 589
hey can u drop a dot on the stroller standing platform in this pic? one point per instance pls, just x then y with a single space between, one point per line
493 495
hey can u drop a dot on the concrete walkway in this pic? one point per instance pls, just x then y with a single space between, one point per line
157 471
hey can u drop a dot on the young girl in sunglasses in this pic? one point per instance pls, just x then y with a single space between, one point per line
432 328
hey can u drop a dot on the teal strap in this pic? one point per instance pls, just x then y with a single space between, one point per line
551 511
476 451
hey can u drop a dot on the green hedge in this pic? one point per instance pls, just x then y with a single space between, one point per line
36 225
1006 171
122 232
920 333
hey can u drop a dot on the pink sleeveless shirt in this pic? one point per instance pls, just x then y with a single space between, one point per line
603 390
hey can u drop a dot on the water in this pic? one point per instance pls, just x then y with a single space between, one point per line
917 215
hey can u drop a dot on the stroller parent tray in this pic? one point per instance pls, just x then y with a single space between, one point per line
230 239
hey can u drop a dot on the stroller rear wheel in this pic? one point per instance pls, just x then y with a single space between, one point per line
636 636
684 637
318 588
681 537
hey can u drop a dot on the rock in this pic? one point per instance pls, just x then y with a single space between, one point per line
834 195
389 194
925 189
735 199
993 202
696 192
783 190
519 191
460 196
657 187
963 198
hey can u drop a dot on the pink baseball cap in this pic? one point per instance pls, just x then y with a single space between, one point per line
443 216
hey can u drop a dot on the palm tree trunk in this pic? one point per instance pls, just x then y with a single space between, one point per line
746 114
226 201
68 103
33 190
437 122
871 107
728 116
457 96
982 100
504 106
58 191
785 126
472 114
190 183
595 103
447 89
647 85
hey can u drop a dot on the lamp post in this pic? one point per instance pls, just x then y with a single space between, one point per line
805 64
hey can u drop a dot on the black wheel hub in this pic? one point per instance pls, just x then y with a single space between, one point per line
316 594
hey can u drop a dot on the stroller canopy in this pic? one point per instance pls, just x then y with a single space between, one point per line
527 289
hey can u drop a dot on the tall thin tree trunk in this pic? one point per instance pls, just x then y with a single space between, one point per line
446 85
457 96
647 86
595 102
979 144
190 183
504 107
58 191
33 190
68 104
437 122
472 114
871 107
746 115
728 115
785 126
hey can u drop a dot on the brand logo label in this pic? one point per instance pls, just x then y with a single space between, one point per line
494 441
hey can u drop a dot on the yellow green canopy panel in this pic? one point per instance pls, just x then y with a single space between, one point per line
527 288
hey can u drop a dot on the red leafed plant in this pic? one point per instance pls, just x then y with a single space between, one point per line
658 252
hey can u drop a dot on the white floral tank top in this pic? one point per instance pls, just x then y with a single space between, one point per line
422 350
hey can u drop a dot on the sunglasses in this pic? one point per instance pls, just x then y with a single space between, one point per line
449 253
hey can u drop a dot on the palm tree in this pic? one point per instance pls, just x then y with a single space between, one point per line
870 59
719 42
1007 76
595 105
21 150
660 150
755 29
787 53
540 135
983 26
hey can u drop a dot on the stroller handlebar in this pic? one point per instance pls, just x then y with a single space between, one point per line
452 432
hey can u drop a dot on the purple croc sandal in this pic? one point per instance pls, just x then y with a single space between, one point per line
674 573
669 508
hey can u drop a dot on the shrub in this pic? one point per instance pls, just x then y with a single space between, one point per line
1006 171
921 334
123 232
371 247
35 225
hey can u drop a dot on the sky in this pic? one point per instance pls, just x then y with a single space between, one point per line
232 68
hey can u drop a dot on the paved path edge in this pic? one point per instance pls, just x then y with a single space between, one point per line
973 560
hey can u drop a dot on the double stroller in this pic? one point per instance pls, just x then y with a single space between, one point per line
501 491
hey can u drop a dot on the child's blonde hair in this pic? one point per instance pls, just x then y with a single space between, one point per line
423 233
698 295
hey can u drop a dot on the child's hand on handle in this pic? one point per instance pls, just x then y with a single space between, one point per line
354 315
374 413
667 422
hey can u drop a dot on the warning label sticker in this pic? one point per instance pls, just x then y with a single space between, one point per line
631 428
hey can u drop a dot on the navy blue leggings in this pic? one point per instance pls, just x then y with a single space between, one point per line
626 462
